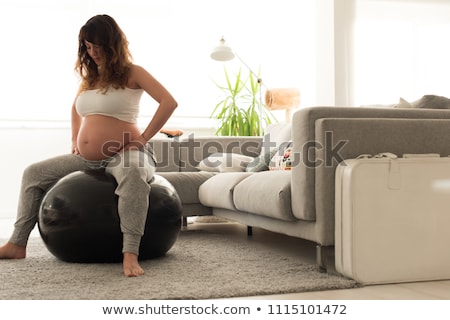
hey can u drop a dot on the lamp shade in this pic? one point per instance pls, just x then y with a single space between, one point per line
282 98
222 52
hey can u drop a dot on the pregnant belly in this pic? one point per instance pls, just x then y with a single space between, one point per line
101 137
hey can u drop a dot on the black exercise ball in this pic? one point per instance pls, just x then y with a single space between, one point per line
79 222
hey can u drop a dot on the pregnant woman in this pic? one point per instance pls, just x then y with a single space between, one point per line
104 136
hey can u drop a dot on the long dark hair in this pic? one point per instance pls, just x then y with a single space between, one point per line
102 30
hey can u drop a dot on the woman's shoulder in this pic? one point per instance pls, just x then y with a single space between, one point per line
136 69
137 75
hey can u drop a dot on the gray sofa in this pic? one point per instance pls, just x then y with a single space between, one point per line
297 202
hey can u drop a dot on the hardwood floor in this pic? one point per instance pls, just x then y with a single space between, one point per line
430 290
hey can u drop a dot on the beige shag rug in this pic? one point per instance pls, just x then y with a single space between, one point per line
201 265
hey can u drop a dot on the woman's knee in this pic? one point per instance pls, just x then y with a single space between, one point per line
35 171
50 170
31 170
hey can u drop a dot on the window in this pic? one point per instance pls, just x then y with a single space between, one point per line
400 50
170 38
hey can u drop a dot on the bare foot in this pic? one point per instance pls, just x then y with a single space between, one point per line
131 267
12 251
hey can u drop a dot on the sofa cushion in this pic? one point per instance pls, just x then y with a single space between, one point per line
224 162
274 136
187 184
218 191
266 193
261 163
194 149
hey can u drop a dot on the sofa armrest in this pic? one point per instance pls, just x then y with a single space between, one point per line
344 138
304 144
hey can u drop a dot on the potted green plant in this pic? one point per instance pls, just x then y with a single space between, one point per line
238 111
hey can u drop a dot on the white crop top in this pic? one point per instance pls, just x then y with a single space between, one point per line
122 104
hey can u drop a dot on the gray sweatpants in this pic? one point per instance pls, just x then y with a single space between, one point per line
132 169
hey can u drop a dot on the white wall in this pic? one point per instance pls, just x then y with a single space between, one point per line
171 39
20 147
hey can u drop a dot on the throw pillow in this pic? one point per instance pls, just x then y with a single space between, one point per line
403 104
432 102
224 162
426 102
282 158
275 135
261 163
